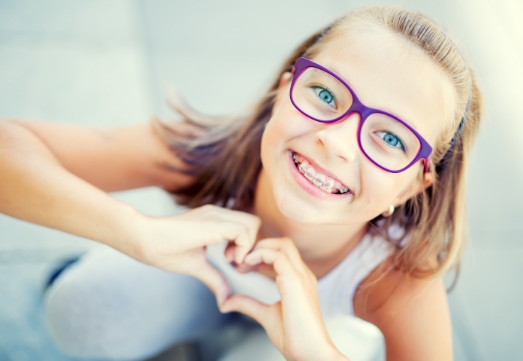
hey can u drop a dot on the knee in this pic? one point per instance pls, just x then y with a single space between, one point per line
110 306
80 327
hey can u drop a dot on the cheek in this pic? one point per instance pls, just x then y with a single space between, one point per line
269 143
376 196
283 126
380 189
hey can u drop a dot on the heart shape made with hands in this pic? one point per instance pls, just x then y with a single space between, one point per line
293 318
264 269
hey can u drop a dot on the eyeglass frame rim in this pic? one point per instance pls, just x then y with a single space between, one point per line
364 111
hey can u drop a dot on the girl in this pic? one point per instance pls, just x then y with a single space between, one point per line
341 193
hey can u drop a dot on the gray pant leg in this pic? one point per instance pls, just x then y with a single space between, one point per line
108 305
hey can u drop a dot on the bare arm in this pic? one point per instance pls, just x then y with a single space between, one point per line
411 313
55 175
110 159
50 174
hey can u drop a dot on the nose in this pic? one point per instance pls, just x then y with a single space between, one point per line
340 139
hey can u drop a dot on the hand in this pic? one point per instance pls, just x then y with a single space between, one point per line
294 324
178 243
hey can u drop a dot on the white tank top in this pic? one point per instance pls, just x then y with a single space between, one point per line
335 290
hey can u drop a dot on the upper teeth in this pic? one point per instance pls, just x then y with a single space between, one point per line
318 179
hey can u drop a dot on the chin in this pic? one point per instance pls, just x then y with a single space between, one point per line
299 211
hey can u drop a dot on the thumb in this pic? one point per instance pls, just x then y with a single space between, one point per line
216 282
246 305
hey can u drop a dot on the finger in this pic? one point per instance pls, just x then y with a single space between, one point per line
212 232
244 268
229 255
232 254
229 251
238 233
285 245
210 212
250 222
236 225
276 258
264 269
248 306
215 281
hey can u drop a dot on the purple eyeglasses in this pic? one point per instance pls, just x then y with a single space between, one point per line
386 140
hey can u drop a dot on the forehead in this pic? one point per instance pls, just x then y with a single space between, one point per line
388 74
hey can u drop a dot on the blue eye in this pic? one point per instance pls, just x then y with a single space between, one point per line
324 95
391 140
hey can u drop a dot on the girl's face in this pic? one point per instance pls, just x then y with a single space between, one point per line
385 74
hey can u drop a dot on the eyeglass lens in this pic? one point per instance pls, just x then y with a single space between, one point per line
385 140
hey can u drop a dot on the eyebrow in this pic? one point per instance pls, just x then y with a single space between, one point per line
334 70
385 109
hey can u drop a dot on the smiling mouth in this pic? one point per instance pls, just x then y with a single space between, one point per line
317 179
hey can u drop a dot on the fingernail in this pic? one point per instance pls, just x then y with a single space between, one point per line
219 302
237 258
223 307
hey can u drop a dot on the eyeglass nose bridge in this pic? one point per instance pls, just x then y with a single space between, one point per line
356 107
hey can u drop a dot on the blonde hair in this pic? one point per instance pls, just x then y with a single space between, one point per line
223 154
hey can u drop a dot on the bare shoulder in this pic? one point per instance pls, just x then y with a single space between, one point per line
411 312
112 159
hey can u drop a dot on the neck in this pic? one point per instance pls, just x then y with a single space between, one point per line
323 243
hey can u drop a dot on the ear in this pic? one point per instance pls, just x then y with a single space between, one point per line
416 187
284 79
